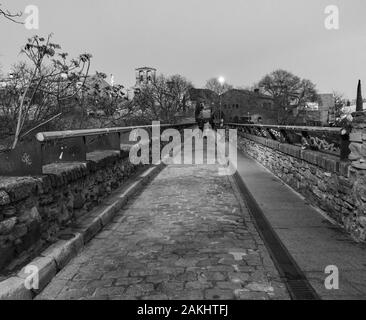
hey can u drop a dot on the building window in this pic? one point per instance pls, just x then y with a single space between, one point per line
237 106
149 78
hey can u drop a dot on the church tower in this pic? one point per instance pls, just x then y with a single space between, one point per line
145 76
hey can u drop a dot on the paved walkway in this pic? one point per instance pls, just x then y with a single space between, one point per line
186 236
311 239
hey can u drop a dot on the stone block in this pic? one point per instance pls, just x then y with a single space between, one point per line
34 214
356 151
7 226
32 236
362 221
219 294
64 250
7 254
13 289
356 136
9 211
244 294
90 228
20 230
107 214
4 198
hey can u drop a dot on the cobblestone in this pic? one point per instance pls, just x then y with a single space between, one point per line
186 236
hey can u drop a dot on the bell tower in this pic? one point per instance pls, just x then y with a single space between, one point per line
145 76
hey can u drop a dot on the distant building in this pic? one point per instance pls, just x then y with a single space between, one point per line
206 96
237 105
352 106
245 106
144 76
320 113
327 108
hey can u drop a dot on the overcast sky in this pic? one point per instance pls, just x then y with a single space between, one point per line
239 39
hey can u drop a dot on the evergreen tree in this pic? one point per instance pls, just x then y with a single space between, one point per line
359 101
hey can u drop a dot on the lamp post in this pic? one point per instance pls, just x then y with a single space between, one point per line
222 82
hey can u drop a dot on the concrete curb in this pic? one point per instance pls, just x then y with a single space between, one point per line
55 257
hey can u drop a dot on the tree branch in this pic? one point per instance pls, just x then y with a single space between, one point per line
11 16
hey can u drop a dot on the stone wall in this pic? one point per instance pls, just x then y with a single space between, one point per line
334 186
34 209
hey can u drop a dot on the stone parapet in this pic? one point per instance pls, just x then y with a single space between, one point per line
34 209
357 139
337 187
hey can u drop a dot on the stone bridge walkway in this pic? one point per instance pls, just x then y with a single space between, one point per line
186 236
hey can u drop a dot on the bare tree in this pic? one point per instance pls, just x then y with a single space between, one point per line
214 85
288 91
10 16
41 86
179 87
111 100
339 102
164 98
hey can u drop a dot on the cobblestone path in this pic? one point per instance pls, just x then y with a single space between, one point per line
186 236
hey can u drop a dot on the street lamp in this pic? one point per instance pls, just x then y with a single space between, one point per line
221 80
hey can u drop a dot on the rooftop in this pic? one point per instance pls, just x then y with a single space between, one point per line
249 92
145 68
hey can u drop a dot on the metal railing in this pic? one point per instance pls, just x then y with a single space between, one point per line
330 140
28 158
55 135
